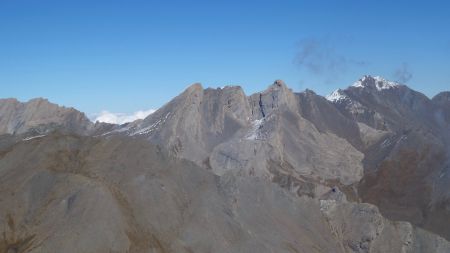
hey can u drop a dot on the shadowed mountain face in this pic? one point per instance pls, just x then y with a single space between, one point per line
215 170
407 150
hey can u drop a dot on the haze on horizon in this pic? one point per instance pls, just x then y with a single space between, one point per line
130 57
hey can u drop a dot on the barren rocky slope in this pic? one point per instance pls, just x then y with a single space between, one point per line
38 116
264 135
215 170
66 193
407 154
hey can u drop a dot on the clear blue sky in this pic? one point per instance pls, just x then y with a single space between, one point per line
124 56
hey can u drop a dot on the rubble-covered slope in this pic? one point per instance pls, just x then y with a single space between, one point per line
66 193
407 154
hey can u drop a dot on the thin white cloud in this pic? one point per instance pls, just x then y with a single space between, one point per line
121 118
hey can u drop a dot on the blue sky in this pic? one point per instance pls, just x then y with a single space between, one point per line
125 56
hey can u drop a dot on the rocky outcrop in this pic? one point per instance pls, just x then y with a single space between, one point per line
39 116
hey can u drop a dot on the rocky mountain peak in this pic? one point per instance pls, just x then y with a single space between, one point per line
279 83
309 92
9 100
375 82
40 115
277 95
443 98
195 87
337 96
39 100
366 84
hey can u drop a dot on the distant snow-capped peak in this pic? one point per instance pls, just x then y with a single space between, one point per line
377 82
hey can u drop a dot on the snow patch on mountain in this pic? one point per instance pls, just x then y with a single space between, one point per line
118 130
337 95
383 84
152 127
254 133
33 137
377 82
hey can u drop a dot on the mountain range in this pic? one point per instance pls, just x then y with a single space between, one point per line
364 169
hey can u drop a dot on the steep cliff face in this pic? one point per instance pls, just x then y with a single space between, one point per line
228 132
194 122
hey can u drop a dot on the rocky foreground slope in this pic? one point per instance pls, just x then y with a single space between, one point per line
215 170
66 193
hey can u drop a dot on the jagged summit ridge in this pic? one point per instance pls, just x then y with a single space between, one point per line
226 131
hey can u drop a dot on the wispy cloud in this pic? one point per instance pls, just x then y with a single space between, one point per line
320 58
403 74
121 118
